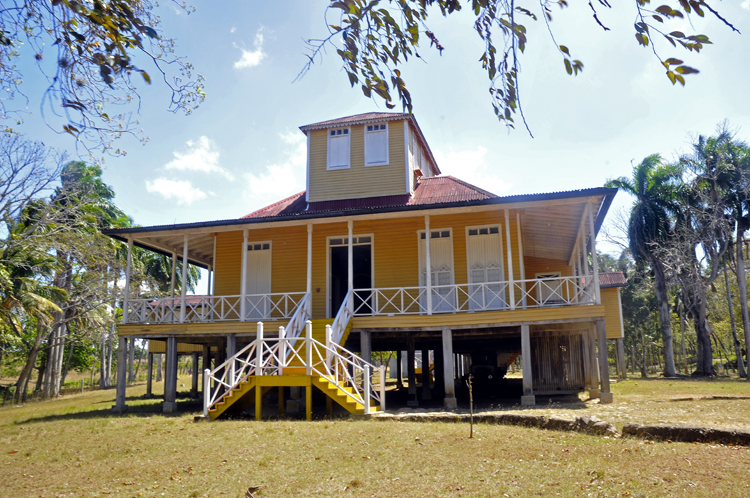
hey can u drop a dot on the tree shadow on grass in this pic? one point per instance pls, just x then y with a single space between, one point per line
138 406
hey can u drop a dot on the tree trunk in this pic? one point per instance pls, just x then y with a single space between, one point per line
131 360
52 353
41 375
742 285
683 356
665 319
67 363
704 364
735 339
28 368
138 364
103 362
110 350
644 372
158 367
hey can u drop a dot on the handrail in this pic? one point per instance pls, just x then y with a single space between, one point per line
343 316
484 296
266 356
208 309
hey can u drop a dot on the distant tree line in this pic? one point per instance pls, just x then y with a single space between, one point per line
61 280
684 253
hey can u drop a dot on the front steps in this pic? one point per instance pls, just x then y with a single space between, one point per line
244 395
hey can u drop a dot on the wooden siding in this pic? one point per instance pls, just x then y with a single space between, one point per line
288 259
507 318
157 347
197 329
357 181
612 317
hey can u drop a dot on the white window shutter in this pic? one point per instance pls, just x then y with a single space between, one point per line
377 144
338 153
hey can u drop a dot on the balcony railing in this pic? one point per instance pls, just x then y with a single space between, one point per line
491 296
208 309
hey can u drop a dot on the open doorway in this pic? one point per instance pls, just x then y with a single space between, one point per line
339 272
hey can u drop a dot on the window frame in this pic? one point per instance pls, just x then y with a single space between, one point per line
387 145
348 152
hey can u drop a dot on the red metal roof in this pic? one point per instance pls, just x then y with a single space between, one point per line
612 279
356 119
430 190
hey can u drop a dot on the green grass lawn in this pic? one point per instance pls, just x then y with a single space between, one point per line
73 447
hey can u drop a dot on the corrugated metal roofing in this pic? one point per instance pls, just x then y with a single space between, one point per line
612 279
356 119
259 216
430 190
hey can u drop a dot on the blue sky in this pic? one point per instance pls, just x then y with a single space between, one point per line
242 148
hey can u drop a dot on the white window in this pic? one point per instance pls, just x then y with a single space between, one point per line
485 264
376 144
338 148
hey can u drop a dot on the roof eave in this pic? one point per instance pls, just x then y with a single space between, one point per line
608 194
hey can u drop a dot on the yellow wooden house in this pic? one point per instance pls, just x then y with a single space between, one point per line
383 253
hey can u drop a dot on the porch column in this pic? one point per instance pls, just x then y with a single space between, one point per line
520 258
605 396
170 380
621 359
309 267
120 406
126 293
594 388
213 269
426 392
593 256
206 363
174 275
449 401
243 277
349 266
584 251
412 375
511 284
184 279
399 370
172 281
149 379
528 398
194 386
210 278
365 345
427 265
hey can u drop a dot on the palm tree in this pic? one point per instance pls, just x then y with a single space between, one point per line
655 186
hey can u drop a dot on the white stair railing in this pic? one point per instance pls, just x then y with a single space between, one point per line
343 317
271 355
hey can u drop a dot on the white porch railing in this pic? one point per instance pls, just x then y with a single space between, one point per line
206 309
271 355
555 292
490 296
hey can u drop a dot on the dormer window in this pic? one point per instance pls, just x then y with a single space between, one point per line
376 145
338 148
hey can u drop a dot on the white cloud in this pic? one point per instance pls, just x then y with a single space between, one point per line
471 166
181 190
251 58
233 30
281 180
745 5
201 155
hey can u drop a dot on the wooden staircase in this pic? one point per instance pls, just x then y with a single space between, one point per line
237 401
338 394
243 395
